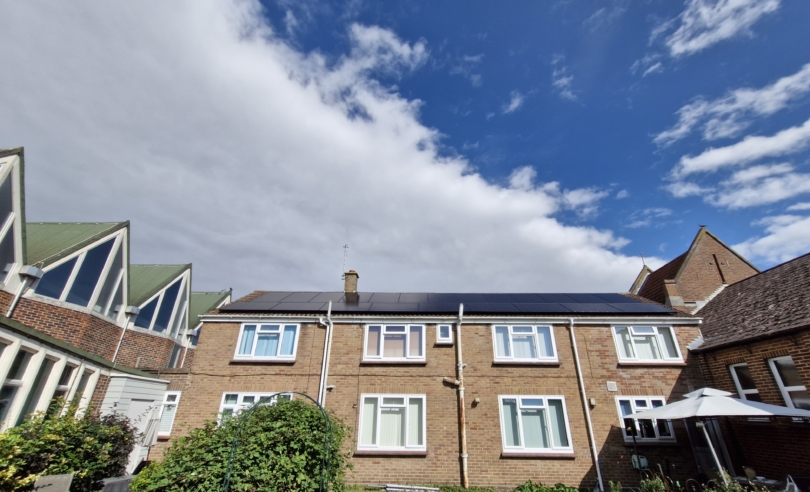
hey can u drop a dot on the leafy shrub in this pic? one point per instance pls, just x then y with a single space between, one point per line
654 484
280 448
92 447
529 486
615 486
459 488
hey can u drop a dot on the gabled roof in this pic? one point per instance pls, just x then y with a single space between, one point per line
146 280
428 303
202 302
49 242
774 302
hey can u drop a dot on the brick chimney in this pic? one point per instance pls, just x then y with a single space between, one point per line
673 298
350 281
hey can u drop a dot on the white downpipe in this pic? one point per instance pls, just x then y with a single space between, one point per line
586 406
465 481
23 286
327 350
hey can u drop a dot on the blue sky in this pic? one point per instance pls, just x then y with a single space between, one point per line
454 145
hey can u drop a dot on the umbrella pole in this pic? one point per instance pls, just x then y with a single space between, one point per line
702 425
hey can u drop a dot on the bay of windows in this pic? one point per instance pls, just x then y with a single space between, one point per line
535 424
392 423
646 344
394 343
524 343
267 341
790 382
645 429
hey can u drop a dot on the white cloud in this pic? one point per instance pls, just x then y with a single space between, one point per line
650 63
560 79
622 194
229 148
466 66
514 103
682 189
656 68
522 178
760 185
750 149
788 236
799 206
728 115
646 217
704 23
584 201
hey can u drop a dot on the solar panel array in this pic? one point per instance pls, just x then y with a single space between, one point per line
411 303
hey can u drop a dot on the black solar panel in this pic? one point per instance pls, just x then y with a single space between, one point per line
446 303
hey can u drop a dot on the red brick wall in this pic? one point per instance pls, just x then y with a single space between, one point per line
700 276
772 449
213 373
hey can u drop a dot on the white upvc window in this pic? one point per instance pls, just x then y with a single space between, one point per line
394 343
646 344
444 334
12 387
392 423
165 311
790 382
167 412
535 424
9 205
746 388
267 342
524 343
233 403
645 429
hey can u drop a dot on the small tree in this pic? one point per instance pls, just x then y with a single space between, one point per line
279 448
91 447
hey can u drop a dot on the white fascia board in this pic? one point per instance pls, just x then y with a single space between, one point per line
140 378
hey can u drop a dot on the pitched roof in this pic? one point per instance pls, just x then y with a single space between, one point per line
201 303
48 242
426 303
653 287
776 301
146 280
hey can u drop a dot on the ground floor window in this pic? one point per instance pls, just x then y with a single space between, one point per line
645 429
392 422
790 382
233 403
535 424
167 412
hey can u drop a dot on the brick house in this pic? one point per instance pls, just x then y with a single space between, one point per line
79 321
546 378
757 345
692 279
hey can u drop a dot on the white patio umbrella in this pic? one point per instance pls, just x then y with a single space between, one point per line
710 402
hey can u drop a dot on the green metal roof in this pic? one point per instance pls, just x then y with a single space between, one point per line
48 242
146 280
29 332
201 303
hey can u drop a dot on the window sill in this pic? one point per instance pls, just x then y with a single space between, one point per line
163 438
653 364
373 452
263 361
552 363
374 362
444 343
513 454
648 444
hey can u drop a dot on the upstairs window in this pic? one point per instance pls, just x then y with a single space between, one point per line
646 344
233 403
267 342
394 343
167 412
527 343
746 388
535 424
7 215
645 429
790 383
392 423
166 311
94 277
444 334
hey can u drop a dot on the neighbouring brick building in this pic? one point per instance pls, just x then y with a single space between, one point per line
392 376
79 321
757 344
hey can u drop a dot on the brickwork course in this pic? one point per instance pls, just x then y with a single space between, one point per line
215 373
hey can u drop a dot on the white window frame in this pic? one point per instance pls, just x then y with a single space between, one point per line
445 340
176 310
658 337
785 390
281 325
512 358
407 333
649 400
522 448
740 391
9 170
241 405
380 397
167 403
